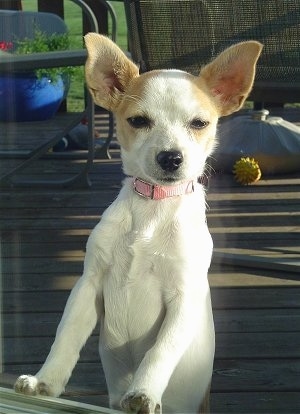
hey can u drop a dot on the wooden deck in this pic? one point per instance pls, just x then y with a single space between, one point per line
254 277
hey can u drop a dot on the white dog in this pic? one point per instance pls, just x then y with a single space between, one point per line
145 271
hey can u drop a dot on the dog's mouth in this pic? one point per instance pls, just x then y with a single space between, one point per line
167 179
170 180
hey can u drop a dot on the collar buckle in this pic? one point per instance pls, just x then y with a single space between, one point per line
144 186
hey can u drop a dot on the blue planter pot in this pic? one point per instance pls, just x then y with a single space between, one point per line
23 97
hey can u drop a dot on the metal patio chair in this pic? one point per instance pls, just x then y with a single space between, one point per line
18 24
183 34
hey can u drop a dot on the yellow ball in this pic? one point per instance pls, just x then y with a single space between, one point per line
246 171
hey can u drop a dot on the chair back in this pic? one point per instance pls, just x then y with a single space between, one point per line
17 25
185 34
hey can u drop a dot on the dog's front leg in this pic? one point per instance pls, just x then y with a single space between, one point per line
78 321
184 312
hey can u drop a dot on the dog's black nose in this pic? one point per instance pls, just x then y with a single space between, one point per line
169 160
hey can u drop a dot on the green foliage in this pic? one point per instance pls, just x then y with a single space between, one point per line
42 43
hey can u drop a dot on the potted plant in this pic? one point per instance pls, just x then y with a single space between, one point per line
37 95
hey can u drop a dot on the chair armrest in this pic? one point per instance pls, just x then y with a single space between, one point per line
22 63
279 92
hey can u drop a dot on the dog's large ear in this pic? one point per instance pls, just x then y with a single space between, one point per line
108 70
230 76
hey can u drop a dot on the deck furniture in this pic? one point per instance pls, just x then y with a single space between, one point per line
184 34
32 140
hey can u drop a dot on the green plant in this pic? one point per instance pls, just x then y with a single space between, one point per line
43 42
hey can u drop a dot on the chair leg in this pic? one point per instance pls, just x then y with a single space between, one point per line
103 151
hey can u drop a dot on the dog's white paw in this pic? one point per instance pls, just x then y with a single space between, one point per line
140 403
30 385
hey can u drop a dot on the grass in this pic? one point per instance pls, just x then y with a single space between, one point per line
73 19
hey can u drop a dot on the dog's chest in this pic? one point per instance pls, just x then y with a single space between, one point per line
150 245
143 247
132 289
139 252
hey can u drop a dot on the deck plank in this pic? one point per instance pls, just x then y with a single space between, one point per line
37 323
237 345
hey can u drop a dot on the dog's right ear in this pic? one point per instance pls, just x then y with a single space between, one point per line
107 70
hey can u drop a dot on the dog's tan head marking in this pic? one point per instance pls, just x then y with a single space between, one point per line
164 116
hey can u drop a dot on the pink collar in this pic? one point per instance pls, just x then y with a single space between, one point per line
159 192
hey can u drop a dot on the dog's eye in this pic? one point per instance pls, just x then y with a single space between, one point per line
139 122
198 123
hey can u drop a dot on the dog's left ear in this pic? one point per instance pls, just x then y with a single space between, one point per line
107 70
230 76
